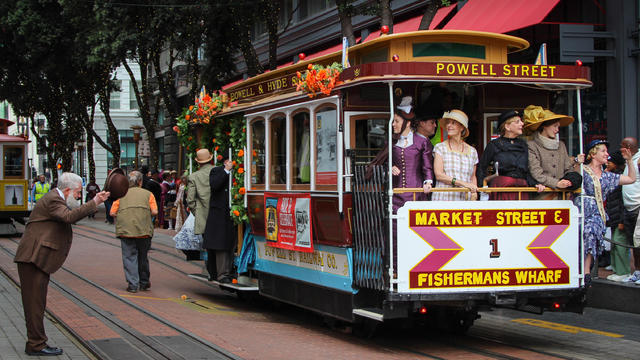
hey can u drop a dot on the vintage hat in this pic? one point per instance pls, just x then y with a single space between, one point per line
534 116
595 143
617 158
428 114
575 178
117 184
405 109
459 116
203 156
506 116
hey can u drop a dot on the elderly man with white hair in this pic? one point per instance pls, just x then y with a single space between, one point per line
43 249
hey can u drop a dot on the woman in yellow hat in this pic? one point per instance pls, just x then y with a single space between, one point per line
549 161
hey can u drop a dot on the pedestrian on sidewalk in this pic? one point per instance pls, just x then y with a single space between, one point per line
598 185
631 198
615 210
40 188
199 196
43 249
92 189
218 233
134 228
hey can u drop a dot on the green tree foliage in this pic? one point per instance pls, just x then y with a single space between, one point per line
44 69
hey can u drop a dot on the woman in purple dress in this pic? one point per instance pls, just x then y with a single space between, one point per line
412 157
598 184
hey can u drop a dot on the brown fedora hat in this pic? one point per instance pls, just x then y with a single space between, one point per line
117 184
203 156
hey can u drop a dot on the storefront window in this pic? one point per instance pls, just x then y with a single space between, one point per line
301 159
257 152
114 100
326 145
278 163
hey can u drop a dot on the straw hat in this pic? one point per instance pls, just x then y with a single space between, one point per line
534 116
459 116
203 156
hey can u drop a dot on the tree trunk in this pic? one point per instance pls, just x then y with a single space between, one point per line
246 47
143 97
386 17
345 21
273 11
193 66
166 86
429 13
114 140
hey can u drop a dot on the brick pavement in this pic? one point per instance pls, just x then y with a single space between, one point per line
13 332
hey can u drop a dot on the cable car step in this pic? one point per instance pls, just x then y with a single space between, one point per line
244 283
371 313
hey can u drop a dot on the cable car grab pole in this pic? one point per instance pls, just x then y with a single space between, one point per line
390 187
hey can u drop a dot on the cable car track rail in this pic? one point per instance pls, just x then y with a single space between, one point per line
149 346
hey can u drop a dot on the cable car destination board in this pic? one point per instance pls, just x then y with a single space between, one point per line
485 245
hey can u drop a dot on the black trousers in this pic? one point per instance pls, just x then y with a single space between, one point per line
630 218
219 263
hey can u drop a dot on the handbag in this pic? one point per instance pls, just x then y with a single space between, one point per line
636 234
186 239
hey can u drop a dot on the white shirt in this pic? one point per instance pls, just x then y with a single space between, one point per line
405 141
61 194
631 192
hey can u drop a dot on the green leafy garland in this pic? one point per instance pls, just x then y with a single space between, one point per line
219 134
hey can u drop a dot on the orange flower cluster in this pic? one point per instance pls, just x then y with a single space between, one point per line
318 79
206 107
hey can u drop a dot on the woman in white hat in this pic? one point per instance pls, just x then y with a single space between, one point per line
509 156
454 160
549 160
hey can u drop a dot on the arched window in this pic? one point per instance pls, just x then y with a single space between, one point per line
301 148
326 123
257 154
278 150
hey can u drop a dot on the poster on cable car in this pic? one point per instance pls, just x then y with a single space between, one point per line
487 246
288 221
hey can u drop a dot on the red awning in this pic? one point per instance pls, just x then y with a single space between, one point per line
500 16
405 26
440 15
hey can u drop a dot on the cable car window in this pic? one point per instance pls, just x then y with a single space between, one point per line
369 136
257 152
326 145
13 162
301 159
278 162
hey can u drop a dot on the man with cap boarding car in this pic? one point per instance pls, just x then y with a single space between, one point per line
199 192
44 247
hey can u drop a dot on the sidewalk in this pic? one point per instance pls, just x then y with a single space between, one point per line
13 334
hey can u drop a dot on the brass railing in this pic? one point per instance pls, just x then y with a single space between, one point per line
519 190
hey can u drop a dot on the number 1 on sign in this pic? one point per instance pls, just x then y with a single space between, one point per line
494 249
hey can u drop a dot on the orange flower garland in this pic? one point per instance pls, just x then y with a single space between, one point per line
318 79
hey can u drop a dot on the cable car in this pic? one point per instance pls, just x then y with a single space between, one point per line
323 230
14 179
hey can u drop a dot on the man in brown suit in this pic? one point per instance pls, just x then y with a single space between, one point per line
44 248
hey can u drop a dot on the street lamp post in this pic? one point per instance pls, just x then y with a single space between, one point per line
136 138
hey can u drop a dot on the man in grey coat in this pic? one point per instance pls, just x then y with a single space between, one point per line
199 191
